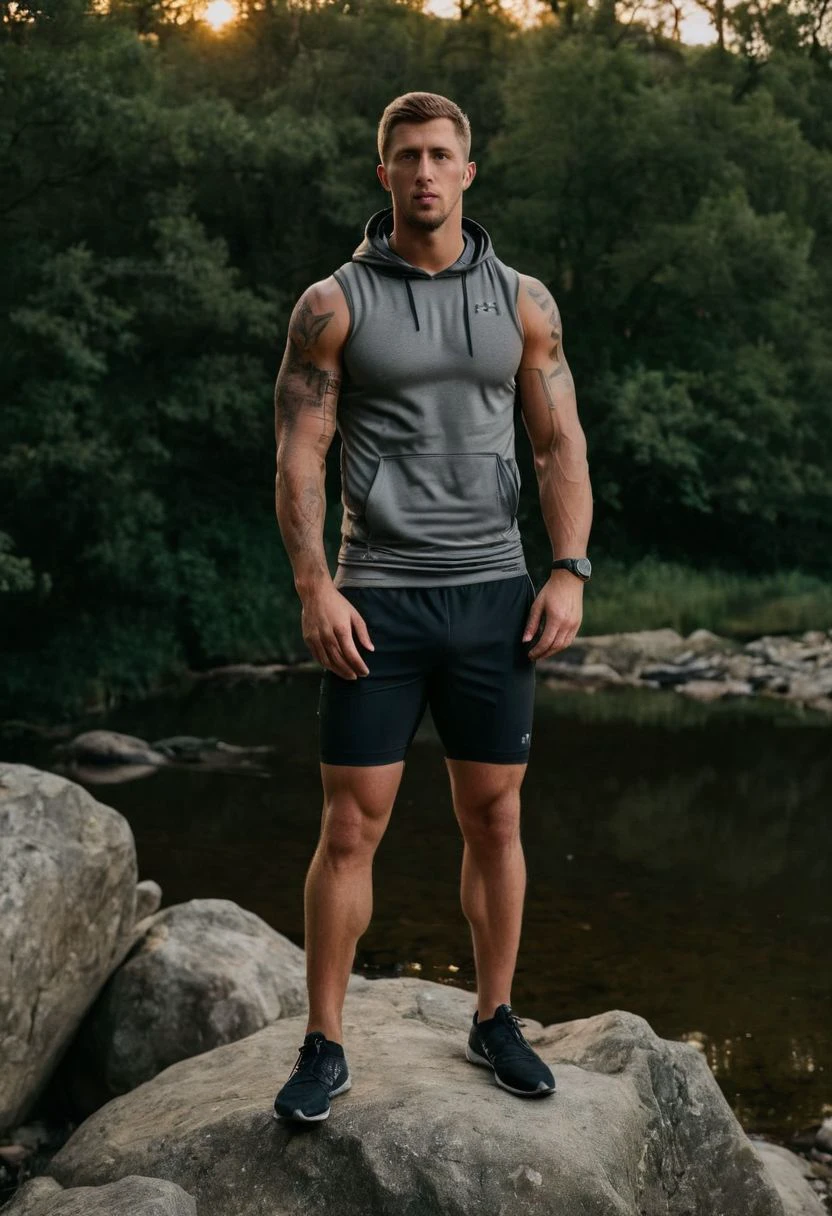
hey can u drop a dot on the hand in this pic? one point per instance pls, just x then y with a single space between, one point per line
328 620
559 603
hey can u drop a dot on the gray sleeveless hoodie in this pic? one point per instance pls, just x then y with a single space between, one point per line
430 485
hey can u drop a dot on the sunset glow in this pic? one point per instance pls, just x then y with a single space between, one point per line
695 26
218 14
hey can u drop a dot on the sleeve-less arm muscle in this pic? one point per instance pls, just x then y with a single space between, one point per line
306 401
550 415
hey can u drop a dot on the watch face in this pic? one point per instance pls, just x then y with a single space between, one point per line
584 566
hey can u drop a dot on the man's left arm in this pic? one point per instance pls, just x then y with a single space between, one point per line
550 415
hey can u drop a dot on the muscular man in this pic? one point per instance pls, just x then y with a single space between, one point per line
414 350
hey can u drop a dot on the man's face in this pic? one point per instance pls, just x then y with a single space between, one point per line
426 171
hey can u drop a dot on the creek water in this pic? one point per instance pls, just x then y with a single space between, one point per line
678 864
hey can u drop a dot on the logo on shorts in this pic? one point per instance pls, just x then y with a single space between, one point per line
525 739
488 306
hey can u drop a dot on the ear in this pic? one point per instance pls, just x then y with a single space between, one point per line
470 174
381 173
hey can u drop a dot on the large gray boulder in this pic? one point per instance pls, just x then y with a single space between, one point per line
67 907
203 973
793 1179
33 1197
130 1196
638 1126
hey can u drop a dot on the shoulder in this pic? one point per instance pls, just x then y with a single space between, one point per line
327 295
536 306
321 315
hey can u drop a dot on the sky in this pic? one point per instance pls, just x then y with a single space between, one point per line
696 28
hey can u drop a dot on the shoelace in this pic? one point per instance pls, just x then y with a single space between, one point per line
516 1023
511 1026
306 1053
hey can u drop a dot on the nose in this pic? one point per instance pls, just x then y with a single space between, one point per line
423 174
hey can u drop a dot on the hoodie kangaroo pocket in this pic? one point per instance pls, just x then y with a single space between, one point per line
450 499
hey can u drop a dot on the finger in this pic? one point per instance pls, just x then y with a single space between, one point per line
349 653
316 650
535 613
335 660
360 627
564 638
543 646
559 640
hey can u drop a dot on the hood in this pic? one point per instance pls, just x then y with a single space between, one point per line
374 251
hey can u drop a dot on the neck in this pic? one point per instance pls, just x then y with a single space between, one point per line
430 251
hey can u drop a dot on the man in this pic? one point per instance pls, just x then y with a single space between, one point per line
414 350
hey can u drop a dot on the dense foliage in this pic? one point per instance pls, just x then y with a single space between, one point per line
167 192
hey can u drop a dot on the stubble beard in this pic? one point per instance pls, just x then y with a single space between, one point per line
430 223
426 223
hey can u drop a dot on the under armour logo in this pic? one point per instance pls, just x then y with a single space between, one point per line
525 739
489 306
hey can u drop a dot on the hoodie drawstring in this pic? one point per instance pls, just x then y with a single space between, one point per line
465 311
465 314
412 302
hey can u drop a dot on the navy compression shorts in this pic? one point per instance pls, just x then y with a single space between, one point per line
457 649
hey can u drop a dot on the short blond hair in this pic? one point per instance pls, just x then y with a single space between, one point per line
421 107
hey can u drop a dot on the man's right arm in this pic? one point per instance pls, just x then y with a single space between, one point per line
305 405
306 401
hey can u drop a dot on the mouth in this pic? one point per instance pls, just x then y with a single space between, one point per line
426 197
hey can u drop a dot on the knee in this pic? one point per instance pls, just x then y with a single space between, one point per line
492 826
348 834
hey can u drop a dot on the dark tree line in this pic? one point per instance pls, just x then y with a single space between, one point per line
166 193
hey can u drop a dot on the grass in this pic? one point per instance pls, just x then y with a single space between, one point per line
652 594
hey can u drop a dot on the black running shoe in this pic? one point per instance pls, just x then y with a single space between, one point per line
320 1072
498 1044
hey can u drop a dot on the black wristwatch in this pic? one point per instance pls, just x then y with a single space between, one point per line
581 566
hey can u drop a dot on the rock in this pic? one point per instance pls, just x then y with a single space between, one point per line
672 675
187 748
823 1139
627 652
68 899
788 651
148 898
33 1198
109 747
14 1154
812 686
210 752
586 673
204 973
702 641
131 1195
715 690
234 672
638 1125
790 1175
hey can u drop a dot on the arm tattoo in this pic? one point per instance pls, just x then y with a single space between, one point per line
302 385
549 308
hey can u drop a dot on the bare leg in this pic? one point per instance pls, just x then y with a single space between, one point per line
338 896
486 801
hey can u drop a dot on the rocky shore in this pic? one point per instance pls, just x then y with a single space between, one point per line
160 1035
702 665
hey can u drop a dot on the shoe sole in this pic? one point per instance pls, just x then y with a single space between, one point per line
300 1117
475 1058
